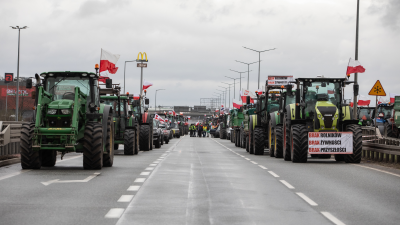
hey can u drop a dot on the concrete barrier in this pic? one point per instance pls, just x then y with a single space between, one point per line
10 137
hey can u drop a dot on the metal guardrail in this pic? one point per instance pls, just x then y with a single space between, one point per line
10 137
380 148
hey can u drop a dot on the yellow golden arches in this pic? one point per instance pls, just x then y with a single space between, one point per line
141 56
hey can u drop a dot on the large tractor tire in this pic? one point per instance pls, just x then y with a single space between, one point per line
158 142
29 159
271 140
222 134
299 146
278 134
137 137
357 144
108 156
250 142
151 138
258 141
231 136
93 146
389 130
162 139
286 140
144 138
49 158
236 138
129 142
166 140
247 144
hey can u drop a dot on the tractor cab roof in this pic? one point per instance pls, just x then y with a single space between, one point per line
68 74
323 79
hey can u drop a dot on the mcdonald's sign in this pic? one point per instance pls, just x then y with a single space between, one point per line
140 57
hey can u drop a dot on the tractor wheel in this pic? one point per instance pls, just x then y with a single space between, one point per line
389 130
286 141
250 143
144 138
136 143
258 141
357 144
108 157
271 140
223 134
339 157
299 143
158 143
151 137
129 142
247 144
178 135
166 140
116 146
231 138
278 142
162 139
93 146
49 158
29 159
236 138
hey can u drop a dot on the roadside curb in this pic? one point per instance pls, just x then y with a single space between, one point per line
9 162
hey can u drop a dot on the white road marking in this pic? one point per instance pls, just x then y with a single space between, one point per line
140 180
263 167
13 174
133 188
247 158
397 175
273 174
156 162
242 155
253 162
286 184
125 198
144 173
332 218
153 165
115 213
167 151
149 168
307 199
87 179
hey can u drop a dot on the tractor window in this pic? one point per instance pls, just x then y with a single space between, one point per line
63 87
387 111
364 115
290 99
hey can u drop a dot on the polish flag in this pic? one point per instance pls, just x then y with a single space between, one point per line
331 91
245 93
107 63
103 79
157 117
146 84
354 66
259 92
392 95
363 101
136 96
237 104
216 110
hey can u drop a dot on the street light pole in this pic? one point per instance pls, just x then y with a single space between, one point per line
355 86
124 72
17 99
259 59
234 81
248 71
155 100
224 99
229 92
240 76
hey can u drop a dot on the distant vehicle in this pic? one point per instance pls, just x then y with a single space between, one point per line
166 132
158 134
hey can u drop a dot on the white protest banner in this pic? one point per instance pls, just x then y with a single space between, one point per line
330 142
279 80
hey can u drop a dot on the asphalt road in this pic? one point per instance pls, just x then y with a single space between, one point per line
199 181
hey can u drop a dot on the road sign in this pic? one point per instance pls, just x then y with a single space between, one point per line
377 89
142 65
8 78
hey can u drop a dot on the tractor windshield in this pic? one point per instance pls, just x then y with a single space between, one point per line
364 114
386 111
290 98
63 87
321 91
114 104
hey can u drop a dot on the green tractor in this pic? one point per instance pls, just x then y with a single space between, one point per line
126 130
236 122
320 124
143 122
246 141
223 126
365 115
68 118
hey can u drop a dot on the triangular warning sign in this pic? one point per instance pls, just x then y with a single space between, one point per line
377 89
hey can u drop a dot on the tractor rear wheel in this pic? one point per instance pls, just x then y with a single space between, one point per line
357 144
299 143
271 141
108 156
93 146
389 130
136 143
30 159
144 137
286 141
250 143
166 140
258 141
247 144
49 158
129 142
158 142
278 142
222 134
162 139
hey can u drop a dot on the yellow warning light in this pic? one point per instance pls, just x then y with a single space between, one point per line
96 66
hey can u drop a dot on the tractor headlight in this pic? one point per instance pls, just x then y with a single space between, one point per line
52 111
319 116
336 116
65 111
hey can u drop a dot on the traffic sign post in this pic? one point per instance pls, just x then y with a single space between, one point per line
144 65
377 90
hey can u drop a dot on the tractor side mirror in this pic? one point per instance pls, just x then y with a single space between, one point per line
147 101
247 100
109 83
29 83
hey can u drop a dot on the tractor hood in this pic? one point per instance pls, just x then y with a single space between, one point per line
61 104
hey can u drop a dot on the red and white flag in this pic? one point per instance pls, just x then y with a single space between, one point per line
363 101
331 91
146 84
245 93
392 95
136 96
354 66
107 64
236 104
216 110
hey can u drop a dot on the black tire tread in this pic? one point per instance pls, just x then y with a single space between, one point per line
300 143
144 138
357 144
93 146
129 142
279 142
29 159
258 141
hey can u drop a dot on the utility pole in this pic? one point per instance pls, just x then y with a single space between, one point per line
17 97
155 100
240 88
124 72
234 80
259 60
355 86
229 92
248 71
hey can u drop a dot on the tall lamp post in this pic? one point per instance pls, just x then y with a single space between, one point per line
248 71
223 94
124 71
234 82
259 60
229 92
355 86
17 99
155 100
240 76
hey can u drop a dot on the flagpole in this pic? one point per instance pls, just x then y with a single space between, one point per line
355 86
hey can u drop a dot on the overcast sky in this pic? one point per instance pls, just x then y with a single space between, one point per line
191 45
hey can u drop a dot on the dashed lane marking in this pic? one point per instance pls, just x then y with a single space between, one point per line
126 198
273 174
149 168
156 162
307 199
263 167
287 184
140 180
144 173
332 218
247 158
133 188
253 162
115 213
153 165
